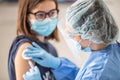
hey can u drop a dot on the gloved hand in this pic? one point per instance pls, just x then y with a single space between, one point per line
32 74
41 56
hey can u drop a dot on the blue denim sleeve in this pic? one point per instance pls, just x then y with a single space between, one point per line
66 71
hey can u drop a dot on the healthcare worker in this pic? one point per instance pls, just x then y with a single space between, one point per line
37 22
92 27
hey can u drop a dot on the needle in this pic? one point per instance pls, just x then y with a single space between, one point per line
31 64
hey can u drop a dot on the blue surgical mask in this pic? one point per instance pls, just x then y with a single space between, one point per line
44 28
79 47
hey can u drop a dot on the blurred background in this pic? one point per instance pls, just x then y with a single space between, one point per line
8 20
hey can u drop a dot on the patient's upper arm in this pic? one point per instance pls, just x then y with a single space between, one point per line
21 65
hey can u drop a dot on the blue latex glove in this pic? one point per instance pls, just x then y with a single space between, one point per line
41 56
32 74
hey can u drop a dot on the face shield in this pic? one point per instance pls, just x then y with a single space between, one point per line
71 43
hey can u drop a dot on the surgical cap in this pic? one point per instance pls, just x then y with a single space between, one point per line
92 20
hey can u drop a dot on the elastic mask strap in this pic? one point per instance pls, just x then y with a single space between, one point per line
80 41
89 44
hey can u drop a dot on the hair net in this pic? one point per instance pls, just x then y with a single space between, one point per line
92 20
